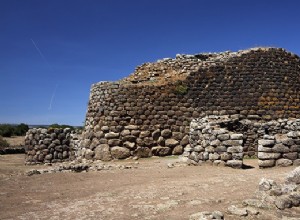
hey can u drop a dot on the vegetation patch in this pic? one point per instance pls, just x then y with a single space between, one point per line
7 130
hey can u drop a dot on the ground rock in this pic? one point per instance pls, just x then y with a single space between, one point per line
120 152
102 152
284 162
237 211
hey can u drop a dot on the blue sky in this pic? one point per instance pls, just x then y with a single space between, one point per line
51 51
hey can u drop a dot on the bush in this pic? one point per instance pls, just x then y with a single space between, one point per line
3 143
7 130
180 88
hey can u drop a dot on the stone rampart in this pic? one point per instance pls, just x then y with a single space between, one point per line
149 112
50 145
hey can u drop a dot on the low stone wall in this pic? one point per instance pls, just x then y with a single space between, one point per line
50 145
224 139
279 150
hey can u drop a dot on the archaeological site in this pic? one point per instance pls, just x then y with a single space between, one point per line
209 107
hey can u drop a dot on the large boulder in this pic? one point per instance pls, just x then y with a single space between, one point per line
102 152
120 152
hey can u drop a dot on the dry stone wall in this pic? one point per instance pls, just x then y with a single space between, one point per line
223 140
50 145
149 112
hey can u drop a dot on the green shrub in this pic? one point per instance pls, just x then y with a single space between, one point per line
180 88
7 130
3 143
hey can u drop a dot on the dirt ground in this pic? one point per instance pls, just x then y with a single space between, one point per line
15 140
150 191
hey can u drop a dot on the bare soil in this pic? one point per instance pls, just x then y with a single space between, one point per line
15 141
151 191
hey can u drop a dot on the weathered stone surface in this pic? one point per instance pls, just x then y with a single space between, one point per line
280 148
156 134
291 156
235 149
236 136
102 152
120 152
177 150
293 177
234 163
112 135
171 143
233 142
265 156
264 142
284 162
167 133
223 137
184 141
237 211
114 142
130 145
266 163
161 151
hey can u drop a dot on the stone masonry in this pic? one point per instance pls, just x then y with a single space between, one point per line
222 140
149 112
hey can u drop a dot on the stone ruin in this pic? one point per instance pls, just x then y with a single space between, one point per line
150 112
223 140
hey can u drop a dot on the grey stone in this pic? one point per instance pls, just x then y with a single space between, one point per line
226 156
114 142
237 156
177 135
156 134
235 149
130 145
198 148
144 134
220 149
261 148
280 148
232 142
291 156
120 152
283 202
112 135
89 154
266 163
293 177
161 141
234 163
214 156
102 152
237 211
265 184
236 136
284 162
177 150
48 157
184 141
223 137
132 127
125 133
161 151
171 143
166 133
264 142
215 143
265 156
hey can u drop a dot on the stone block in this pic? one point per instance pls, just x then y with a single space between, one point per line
236 136
223 137
284 162
261 148
161 151
214 156
291 156
266 156
102 152
171 143
177 150
265 142
232 142
234 163
235 149
280 148
226 156
120 152
266 163
111 135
